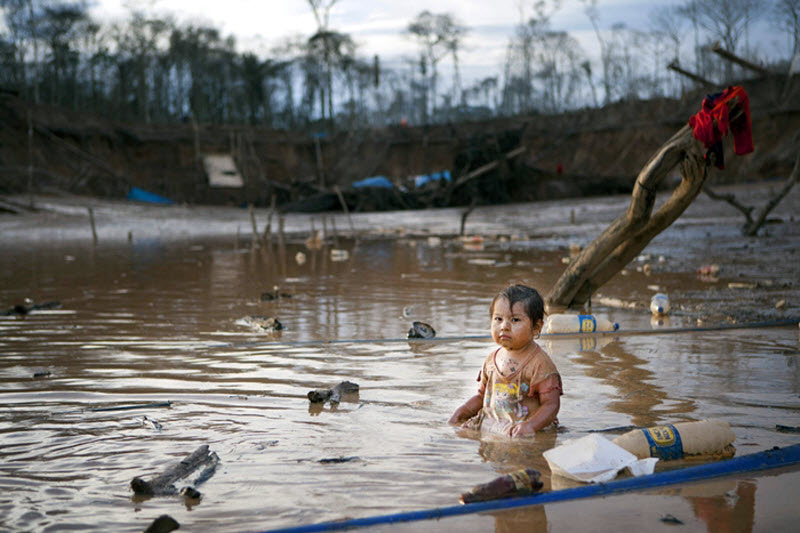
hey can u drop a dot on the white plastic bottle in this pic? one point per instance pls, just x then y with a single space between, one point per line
564 323
659 304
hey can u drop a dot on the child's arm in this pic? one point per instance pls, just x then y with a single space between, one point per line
467 411
549 404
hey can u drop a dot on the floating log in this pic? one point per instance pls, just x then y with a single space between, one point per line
334 394
162 484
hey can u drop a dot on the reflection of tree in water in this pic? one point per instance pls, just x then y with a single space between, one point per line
638 392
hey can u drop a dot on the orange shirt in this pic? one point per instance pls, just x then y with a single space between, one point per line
508 400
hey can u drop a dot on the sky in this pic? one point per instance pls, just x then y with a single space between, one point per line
379 26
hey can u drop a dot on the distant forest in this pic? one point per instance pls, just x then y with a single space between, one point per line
158 70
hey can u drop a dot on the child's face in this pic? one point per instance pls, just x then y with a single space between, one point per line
512 328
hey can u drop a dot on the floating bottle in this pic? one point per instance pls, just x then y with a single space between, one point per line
563 323
659 304
675 441
517 483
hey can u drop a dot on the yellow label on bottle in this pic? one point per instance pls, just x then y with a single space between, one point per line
662 435
588 323
664 442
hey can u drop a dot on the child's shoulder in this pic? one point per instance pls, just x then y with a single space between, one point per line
543 358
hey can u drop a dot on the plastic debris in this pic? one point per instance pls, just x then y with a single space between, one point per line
708 270
564 323
659 304
339 255
421 330
594 459
675 441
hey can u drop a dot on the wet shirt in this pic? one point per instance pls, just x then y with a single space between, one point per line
508 400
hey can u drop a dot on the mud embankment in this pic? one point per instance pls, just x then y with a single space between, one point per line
581 153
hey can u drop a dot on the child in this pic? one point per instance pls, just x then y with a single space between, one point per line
519 385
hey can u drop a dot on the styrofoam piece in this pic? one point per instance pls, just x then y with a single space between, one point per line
643 467
593 459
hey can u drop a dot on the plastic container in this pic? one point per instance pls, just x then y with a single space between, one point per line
675 441
563 323
659 304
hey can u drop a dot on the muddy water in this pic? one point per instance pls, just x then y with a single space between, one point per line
161 323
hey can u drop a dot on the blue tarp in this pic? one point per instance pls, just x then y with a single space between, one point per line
421 180
140 195
375 181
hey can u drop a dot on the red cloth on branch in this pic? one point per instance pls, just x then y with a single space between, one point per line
712 122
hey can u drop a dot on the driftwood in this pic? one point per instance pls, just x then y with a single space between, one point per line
162 484
334 394
626 237
751 225
27 306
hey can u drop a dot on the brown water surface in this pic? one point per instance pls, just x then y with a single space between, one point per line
164 319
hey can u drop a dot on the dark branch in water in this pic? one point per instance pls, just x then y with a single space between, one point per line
162 484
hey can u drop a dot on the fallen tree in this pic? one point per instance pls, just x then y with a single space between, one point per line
630 233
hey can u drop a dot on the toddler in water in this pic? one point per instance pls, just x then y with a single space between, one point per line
520 387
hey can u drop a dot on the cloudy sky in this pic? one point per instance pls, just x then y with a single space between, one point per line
378 26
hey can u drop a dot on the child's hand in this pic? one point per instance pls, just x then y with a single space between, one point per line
525 429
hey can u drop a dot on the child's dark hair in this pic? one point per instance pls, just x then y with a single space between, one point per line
530 298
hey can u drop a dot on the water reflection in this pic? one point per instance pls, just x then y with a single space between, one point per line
725 505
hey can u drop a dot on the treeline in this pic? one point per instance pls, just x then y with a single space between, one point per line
155 69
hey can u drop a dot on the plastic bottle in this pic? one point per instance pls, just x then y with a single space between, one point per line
659 304
516 483
563 323
674 441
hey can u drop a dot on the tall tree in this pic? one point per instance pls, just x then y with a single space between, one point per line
786 15
324 41
728 21
667 21
439 35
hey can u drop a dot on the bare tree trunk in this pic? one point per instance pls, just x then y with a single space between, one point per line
633 230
